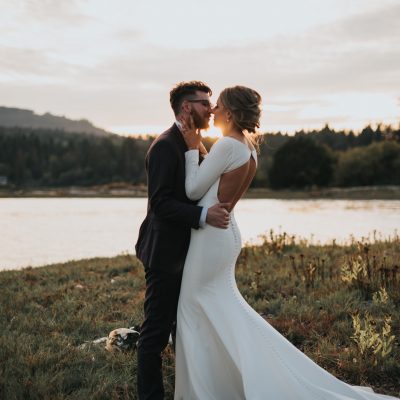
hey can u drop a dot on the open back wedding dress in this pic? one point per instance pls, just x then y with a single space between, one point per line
224 349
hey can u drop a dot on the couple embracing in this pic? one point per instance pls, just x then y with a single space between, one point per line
189 243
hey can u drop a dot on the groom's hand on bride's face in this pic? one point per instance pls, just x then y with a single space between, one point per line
218 216
190 134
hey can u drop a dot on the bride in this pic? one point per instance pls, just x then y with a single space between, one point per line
224 349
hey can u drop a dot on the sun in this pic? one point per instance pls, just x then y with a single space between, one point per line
212 132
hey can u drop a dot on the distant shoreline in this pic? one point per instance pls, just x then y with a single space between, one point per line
130 191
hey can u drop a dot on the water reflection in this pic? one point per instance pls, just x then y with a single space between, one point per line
41 231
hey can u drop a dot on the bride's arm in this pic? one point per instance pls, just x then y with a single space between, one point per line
199 178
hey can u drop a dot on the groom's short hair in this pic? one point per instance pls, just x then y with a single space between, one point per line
182 90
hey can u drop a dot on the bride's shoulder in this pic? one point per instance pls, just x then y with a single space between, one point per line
223 143
224 139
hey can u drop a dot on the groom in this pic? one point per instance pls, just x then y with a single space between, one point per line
165 233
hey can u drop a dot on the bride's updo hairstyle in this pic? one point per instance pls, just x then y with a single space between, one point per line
245 105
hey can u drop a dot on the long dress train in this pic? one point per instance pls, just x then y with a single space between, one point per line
224 348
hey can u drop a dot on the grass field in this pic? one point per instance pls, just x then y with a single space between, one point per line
338 304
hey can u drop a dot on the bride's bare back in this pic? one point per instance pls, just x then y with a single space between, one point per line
231 165
234 184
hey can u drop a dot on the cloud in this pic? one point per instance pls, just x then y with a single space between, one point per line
326 59
54 11
23 61
103 106
372 26
357 55
129 35
33 66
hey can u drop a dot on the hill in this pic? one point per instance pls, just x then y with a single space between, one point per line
17 117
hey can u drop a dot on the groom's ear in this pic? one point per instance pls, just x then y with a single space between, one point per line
186 107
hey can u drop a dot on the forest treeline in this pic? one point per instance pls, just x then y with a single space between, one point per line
50 158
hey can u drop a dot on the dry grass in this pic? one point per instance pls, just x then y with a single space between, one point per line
46 313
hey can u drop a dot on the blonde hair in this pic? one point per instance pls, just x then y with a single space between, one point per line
245 106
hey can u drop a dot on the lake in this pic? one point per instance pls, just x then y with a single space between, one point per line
39 231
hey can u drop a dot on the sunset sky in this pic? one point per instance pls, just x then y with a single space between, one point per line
114 62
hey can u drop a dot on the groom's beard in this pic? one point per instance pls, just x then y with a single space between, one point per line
199 121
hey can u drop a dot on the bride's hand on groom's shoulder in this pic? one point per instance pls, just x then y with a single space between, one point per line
190 134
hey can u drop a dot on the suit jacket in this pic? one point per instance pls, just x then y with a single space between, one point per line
164 235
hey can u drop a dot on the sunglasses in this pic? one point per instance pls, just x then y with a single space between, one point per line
205 103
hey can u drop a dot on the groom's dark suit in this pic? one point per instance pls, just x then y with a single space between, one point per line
162 245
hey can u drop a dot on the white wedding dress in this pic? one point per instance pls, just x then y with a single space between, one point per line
224 349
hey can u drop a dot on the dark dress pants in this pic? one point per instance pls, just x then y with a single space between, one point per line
160 306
